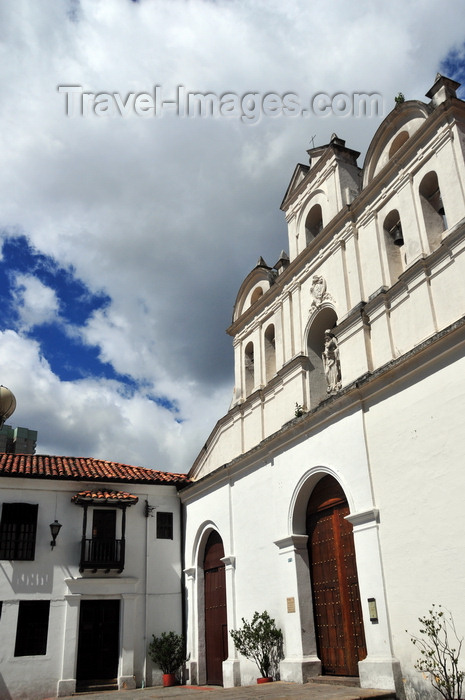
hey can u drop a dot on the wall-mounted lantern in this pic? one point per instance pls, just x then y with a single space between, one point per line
55 528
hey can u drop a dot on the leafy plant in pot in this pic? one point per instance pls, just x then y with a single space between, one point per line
438 658
260 641
168 651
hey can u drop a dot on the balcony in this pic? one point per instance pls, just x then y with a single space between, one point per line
99 553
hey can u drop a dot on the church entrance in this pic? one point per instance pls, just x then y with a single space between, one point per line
216 626
336 598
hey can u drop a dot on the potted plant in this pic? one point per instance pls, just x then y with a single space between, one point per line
439 659
260 641
168 651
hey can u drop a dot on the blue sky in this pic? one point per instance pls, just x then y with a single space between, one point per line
124 239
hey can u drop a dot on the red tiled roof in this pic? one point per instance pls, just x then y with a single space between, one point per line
82 468
112 497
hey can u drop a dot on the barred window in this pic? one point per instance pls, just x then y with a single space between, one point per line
18 531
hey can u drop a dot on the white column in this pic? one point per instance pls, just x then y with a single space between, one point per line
231 666
301 661
380 669
126 678
192 651
67 683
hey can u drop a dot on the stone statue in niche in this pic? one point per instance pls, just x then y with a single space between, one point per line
331 363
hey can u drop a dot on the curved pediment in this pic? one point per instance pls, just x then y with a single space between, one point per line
398 127
253 287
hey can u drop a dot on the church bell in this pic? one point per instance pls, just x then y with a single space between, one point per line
396 233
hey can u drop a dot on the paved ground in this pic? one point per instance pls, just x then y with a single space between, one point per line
270 691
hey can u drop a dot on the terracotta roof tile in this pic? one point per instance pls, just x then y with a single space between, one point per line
104 496
79 468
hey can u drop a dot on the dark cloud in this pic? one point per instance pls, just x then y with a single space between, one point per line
155 221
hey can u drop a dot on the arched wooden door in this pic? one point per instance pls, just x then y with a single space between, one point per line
336 597
216 626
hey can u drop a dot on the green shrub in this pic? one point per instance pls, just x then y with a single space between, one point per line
260 641
168 651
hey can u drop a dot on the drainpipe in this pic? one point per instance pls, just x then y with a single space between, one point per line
144 667
183 566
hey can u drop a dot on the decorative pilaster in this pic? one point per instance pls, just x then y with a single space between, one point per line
126 679
298 620
231 665
380 669
191 665
67 683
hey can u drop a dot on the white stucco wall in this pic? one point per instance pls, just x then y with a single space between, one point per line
149 587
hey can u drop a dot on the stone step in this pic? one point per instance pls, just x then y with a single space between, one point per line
96 685
350 681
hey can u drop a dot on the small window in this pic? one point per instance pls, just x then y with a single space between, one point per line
18 531
164 526
32 629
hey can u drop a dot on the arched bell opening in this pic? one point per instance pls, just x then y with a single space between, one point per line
270 352
394 245
249 368
434 214
313 223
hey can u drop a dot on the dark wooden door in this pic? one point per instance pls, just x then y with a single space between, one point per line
336 597
98 646
216 626
104 524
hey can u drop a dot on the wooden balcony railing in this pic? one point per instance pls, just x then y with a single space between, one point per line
102 554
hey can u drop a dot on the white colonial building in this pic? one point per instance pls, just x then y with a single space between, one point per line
331 492
80 611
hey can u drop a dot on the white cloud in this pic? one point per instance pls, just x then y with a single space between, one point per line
36 303
99 418
166 216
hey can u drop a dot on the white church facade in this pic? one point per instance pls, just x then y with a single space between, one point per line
331 492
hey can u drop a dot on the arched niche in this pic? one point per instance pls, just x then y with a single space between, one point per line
256 294
398 142
325 319
255 285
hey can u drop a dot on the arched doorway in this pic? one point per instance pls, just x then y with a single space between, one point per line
216 626
336 598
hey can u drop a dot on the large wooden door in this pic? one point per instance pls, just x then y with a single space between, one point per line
336 598
98 647
216 626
